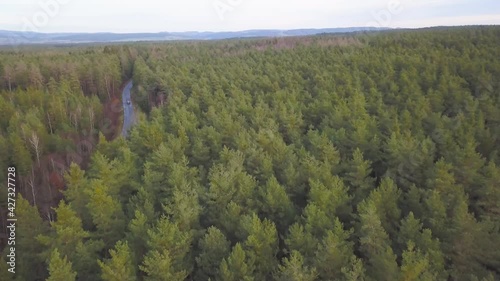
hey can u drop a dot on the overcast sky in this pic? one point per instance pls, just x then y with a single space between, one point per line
231 15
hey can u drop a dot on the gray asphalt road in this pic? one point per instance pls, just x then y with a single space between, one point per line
128 110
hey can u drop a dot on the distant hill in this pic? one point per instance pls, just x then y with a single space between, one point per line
22 38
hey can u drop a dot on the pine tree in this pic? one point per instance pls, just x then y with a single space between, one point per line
375 245
386 199
334 252
261 245
236 267
67 231
60 268
293 269
72 241
276 205
29 262
20 155
228 183
106 212
411 231
359 177
120 266
137 234
489 194
416 265
467 167
354 271
214 247
158 266
302 241
77 192
183 205
408 160
331 197
166 239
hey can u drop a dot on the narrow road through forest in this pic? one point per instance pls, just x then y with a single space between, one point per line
128 110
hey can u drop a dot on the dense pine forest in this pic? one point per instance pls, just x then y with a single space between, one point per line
370 156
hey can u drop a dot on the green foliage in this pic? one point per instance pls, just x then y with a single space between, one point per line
214 247
359 176
137 234
415 265
354 271
60 268
106 212
385 199
412 232
30 263
330 157
236 267
375 245
293 269
166 240
302 241
158 266
229 183
77 193
334 253
275 204
489 193
261 245
72 241
67 231
120 265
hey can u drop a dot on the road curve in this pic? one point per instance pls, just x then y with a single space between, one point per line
128 110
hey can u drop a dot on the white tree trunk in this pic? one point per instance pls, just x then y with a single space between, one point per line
31 182
91 119
50 123
35 142
107 86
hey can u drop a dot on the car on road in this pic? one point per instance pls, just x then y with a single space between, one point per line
128 101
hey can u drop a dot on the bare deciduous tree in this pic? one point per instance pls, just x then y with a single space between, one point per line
106 82
50 123
35 76
76 116
35 142
8 75
91 119
31 182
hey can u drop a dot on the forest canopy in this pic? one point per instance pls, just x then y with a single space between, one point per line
371 156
